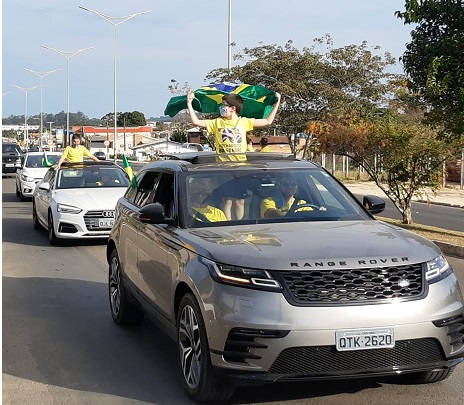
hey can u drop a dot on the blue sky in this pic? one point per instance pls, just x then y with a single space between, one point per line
179 39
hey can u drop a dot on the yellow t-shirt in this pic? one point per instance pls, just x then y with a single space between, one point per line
230 135
213 214
269 202
75 155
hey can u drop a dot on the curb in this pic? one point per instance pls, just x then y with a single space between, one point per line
449 249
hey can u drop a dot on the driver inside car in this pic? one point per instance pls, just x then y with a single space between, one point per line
199 191
279 204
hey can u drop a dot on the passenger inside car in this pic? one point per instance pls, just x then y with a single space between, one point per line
199 191
279 204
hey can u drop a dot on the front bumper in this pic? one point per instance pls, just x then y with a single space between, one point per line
78 226
306 346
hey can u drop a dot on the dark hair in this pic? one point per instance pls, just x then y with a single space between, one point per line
76 136
264 141
234 100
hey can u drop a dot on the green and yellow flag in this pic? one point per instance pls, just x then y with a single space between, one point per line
257 100
45 161
129 171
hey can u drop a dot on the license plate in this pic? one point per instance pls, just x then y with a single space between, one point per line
105 223
9 165
363 339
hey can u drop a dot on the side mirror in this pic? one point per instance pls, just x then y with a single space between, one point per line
44 186
374 204
154 214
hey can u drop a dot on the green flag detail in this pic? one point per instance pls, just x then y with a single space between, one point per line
129 171
45 161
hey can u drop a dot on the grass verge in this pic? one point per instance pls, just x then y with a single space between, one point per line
430 232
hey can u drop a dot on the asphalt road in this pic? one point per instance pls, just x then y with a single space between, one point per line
451 218
60 345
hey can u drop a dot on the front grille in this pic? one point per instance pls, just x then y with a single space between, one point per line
319 360
91 219
353 286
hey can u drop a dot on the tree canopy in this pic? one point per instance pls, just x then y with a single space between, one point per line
433 59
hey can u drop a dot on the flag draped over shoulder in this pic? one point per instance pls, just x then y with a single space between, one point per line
129 171
257 100
45 161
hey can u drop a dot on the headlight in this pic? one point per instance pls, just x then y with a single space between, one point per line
68 209
437 269
25 177
243 277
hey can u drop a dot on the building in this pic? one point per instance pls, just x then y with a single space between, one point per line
126 138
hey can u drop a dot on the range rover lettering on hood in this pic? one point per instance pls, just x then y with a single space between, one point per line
359 262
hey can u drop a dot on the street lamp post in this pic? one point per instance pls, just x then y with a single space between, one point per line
41 75
229 38
68 55
115 21
26 90
50 122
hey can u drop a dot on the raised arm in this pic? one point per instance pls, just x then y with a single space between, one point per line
195 120
265 122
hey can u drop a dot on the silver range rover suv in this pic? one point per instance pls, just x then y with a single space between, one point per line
268 269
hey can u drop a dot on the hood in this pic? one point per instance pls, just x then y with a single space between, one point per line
323 245
35 172
90 199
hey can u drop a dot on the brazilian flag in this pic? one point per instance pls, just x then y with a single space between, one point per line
46 162
129 171
257 100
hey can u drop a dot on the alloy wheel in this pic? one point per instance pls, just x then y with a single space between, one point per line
190 346
115 286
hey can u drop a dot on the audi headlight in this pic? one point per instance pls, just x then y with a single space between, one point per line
437 269
243 277
25 177
68 209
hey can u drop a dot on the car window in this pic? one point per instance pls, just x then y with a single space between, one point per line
70 178
146 186
164 194
268 196
50 178
104 177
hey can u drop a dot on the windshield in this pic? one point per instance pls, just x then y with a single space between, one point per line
264 196
9 148
91 177
36 160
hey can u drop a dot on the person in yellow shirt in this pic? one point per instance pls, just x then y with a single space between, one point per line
75 153
264 143
199 190
278 205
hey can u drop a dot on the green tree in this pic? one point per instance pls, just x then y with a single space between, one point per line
128 119
402 155
312 82
433 59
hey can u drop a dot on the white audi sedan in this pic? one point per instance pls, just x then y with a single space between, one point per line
32 170
78 200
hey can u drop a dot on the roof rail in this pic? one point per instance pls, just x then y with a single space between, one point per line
213 157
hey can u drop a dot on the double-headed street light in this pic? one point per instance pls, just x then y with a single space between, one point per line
41 75
68 55
115 21
26 90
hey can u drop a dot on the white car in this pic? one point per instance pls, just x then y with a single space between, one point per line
31 172
78 201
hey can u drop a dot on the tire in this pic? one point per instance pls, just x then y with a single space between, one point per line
35 220
428 377
51 231
22 198
199 379
18 193
122 311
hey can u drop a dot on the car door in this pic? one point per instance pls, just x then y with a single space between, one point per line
129 207
158 254
42 197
